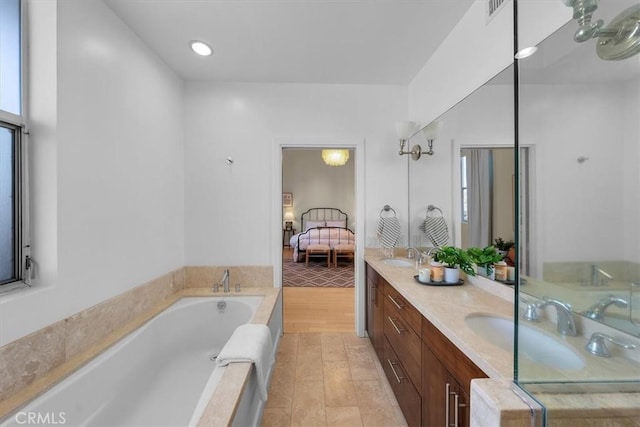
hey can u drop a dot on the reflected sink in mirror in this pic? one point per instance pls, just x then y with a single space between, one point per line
396 262
534 344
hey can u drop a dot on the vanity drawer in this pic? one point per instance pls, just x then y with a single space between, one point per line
404 308
408 397
405 342
460 366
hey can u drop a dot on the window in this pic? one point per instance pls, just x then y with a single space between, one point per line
12 154
465 193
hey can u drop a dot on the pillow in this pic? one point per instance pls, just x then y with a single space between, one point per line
341 224
314 224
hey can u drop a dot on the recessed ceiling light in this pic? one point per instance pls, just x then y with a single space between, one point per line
201 48
526 52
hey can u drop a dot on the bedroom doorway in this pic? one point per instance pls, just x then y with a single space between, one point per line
319 204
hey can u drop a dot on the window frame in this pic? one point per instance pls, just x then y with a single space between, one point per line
18 123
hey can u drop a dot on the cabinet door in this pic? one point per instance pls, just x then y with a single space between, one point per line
378 324
463 408
375 313
372 279
444 401
436 409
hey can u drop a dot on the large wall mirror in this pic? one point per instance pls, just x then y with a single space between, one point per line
475 152
581 115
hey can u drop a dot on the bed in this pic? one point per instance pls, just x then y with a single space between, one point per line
324 226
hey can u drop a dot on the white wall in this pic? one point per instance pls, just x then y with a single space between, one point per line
228 208
631 160
107 164
472 54
580 205
316 184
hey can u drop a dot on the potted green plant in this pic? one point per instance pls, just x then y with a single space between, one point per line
502 246
484 259
455 259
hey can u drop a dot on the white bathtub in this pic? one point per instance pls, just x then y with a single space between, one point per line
160 375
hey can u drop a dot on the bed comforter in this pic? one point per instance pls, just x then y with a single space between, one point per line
331 236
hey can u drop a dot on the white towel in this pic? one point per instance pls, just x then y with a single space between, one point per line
250 343
388 231
435 227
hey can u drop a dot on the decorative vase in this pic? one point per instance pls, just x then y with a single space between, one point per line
451 275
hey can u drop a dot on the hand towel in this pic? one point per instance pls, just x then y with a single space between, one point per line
435 227
388 231
250 343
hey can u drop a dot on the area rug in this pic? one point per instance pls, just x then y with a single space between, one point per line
317 274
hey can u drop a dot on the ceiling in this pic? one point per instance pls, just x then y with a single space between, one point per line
295 41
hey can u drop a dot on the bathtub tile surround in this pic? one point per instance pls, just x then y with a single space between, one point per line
206 276
347 388
35 355
33 363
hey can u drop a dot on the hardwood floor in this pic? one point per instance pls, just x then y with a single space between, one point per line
319 310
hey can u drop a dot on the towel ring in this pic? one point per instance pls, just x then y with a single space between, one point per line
387 208
432 208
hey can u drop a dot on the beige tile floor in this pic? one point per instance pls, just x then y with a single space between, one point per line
329 379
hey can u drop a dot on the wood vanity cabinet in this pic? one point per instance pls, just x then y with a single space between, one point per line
446 380
429 375
375 310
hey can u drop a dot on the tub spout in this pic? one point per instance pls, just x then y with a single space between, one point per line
225 280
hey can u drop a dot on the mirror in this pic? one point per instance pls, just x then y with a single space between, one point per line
474 150
580 114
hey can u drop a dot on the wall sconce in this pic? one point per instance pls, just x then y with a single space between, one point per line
431 132
406 130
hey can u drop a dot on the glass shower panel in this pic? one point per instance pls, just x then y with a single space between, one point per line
578 114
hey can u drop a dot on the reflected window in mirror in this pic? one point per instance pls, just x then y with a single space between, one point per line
464 190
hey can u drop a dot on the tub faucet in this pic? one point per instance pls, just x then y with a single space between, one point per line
566 324
225 280
595 275
596 311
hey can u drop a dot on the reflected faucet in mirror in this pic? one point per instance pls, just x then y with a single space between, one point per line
596 311
595 279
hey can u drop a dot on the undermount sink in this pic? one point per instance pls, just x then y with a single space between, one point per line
398 262
534 344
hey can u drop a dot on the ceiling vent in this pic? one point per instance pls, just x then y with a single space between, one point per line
493 7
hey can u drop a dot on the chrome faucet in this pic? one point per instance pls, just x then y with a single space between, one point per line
595 275
413 253
566 324
596 311
225 280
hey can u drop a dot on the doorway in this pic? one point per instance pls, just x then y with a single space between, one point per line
319 292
